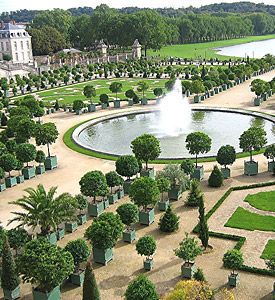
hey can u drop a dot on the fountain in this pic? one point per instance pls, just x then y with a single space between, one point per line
175 114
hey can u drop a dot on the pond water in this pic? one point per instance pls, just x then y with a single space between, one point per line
253 49
114 136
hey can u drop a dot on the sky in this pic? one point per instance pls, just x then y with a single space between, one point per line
10 5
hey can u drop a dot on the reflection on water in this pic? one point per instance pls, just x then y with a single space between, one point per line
115 135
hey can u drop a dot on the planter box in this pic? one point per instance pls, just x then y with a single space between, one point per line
250 168
106 203
77 278
2 187
104 106
20 178
70 109
28 172
82 219
264 96
39 122
129 236
78 112
271 166
95 209
113 198
126 186
197 99
91 108
224 87
52 295
202 97
71 226
60 233
103 256
216 90
146 218
163 205
220 89
50 163
120 193
130 102
188 271
51 238
12 294
10 181
175 192
148 264
40 170
257 101
53 110
198 173
233 280
144 101
212 93
225 172
116 103
150 172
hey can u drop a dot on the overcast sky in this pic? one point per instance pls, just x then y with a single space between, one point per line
10 5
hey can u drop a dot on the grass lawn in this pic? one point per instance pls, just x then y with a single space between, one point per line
263 200
244 219
205 49
269 250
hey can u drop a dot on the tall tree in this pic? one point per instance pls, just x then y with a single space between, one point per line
203 227
90 289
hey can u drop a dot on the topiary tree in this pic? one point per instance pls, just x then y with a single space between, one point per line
233 259
197 87
3 149
104 98
146 147
26 153
164 185
216 178
194 194
50 265
25 130
18 238
80 251
158 92
198 142
141 289
8 162
82 203
188 166
252 139
258 86
147 246
89 92
9 277
203 227
93 184
128 213
142 87
130 94
127 165
269 152
40 157
169 221
90 288
78 105
46 134
115 87
143 192
174 174
113 179
11 146
188 249
226 155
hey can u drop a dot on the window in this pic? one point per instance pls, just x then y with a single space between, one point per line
7 46
29 55
22 45
2 46
23 56
28 45
15 45
16 56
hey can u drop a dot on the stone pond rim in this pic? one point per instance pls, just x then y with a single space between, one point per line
81 148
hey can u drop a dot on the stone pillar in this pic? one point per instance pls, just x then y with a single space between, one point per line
136 49
102 47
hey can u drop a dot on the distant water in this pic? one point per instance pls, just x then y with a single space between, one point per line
253 49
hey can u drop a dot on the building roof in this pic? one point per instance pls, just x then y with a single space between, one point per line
71 50
9 26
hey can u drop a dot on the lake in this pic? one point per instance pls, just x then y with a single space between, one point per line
253 49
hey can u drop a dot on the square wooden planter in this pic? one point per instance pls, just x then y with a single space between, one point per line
130 102
225 172
257 101
175 192
52 295
233 279
78 112
51 238
104 106
78 278
120 193
129 235
144 101
163 205
197 99
106 203
20 179
10 181
198 173
113 198
188 270
126 186
148 264
60 233
250 168
71 226
103 256
271 166
147 218
2 187
150 172
95 209
28 172
82 219
91 108
51 163
116 103
12 294
40 170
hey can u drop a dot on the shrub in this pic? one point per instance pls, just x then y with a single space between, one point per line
40 157
127 165
216 178
226 155
163 185
188 166
18 238
78 105
113 179
174 174
146 245
90 288
128 213
194 194
233 259
169 221
199 276
82 203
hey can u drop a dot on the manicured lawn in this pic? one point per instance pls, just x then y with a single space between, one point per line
244 219
269 250
205 49
262 200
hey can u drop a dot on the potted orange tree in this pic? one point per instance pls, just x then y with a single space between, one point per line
146 245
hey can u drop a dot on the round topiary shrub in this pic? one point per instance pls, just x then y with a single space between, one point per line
216 178
233 259
169 221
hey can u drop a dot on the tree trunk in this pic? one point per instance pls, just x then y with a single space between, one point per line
196 160
49 155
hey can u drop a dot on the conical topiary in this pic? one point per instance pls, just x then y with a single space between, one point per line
169 221
9 278
194 193
216 178
90 289
203 227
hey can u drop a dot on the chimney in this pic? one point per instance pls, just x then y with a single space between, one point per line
2 25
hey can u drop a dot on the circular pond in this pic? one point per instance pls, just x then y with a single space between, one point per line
114 135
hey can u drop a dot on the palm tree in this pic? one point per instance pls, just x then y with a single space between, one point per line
42 209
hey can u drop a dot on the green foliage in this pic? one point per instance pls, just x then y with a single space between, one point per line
40 157
271 263
128 213
130 94
31 103
233 259
11 146
269 250
82 202
194 194
80 251
50 265
3 148
144 191
104 231
127 165
18 238
8 162
262 200
141 289
89 91
19 111
90 288
115 87
2 173
146 147
142 87
93 184
226 155
174 174
188 249
199 275
188 166
269 152
215 179
25 152
258 86
158 92
25 130
78 105
113 179
9 277
163 185
170 84
169 221
146 245
203 227
104 98
197 87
